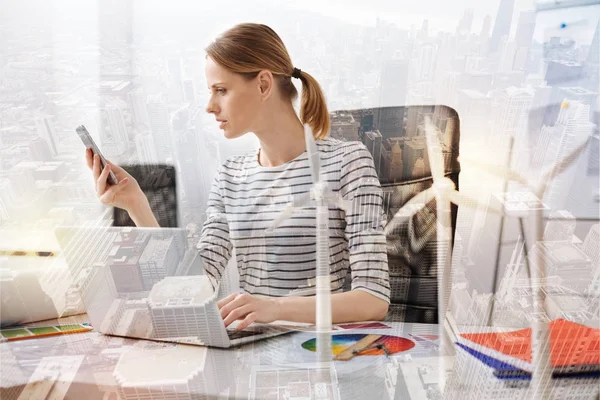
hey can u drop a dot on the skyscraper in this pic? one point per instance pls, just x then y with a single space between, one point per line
372 141
561 226
160 126
466 22
523 39
593 166
179 308
175 80
507 51
485 28
189 91
591 246
563 259
46 132
509 111
146 149
137 101
40 151
393 84
125 270
578 93
389 121
113 133
192 370
572 128
424 32
427 54
391 161
414 161
502 23
525 29
344 127
592 61
158 260
478 105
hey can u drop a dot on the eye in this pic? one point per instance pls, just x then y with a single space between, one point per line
218 90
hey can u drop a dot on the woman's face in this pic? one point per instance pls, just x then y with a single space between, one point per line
234 101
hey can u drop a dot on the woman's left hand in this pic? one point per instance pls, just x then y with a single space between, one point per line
249 308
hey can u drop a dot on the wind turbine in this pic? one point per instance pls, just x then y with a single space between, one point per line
541 376
321 196
444 192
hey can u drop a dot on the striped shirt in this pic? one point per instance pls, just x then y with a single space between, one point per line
245 199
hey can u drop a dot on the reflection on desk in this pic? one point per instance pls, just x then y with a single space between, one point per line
95 366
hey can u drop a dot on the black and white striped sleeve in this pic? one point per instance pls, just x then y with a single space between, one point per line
215 245
364 222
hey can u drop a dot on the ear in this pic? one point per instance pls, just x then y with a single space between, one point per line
265 83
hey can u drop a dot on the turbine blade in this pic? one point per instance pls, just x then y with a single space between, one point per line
288 212
300 201
496 170
336 200
434 149
463 200
313 154
410 208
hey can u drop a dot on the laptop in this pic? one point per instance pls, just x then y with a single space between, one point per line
149 283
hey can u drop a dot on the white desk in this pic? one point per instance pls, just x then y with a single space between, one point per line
95 366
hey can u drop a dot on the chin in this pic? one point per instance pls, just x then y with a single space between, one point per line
232 134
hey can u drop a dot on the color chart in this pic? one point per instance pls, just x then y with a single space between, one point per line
339 343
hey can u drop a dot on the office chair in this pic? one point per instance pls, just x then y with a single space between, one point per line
158 182
396 139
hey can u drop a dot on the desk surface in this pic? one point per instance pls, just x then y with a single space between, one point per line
95 366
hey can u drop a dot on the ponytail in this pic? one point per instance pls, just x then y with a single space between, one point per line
313 109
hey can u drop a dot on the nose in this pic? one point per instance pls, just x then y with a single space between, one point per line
211 106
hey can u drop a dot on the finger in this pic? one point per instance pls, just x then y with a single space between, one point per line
226 300
238 313
115 167
89 158
101 182
109 195
96 167
238 302
250 318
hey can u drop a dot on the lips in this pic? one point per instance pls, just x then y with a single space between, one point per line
223 123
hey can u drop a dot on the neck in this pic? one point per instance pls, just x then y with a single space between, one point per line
282 139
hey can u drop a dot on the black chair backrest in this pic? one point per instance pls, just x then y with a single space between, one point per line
395 137
158 182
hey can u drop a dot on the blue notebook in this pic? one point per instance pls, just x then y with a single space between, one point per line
506 371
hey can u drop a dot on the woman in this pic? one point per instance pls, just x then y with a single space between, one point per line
249 72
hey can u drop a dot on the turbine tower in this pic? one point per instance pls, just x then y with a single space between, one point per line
321 196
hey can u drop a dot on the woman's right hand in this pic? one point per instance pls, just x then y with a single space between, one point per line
126 194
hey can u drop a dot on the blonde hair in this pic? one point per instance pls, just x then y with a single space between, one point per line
248 48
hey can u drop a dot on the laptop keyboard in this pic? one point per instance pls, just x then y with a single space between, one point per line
253 331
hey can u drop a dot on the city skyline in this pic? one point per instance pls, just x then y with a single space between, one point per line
134 120
136 81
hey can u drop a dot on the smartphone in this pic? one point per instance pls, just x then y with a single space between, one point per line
89 143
